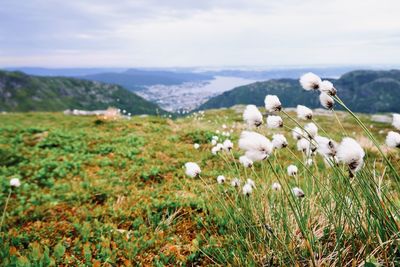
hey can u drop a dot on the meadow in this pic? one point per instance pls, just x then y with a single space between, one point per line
105 192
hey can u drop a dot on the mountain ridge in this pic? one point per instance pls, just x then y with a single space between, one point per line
22 92
366 91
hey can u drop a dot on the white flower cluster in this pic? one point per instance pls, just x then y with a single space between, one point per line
192 169
311 81
256 146
393 138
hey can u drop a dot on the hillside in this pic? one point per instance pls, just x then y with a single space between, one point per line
21 92
115 193
364 91
134 79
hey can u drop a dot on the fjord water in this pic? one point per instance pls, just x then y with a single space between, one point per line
190 95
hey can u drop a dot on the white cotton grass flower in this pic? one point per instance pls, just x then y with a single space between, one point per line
257 146
279 141
272 103
393 139
276 186
247 189
298 192
221 179
325 146
304 113
311 129
309 162
235 182
252 116
327 88
215 137
292 170
396 121
274 121
297 133
326 101
213 142
310 81
251 183
305 146
219 147
228 145
192 169
196 146
351 153
15 182
255 155
245 161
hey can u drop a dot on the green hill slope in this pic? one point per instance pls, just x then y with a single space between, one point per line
362 91
21 92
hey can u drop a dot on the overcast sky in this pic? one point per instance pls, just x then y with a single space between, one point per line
163 33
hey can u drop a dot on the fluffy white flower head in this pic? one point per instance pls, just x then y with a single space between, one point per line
351 153
305 146
297 192
292 170
396 121
196 146
15 182
327 88
311 129
272 103
235 182
221 179
228 145
304 113
251 182
325 146
297 133
192 169
279 141
247 189
219 147
245 161
309 162
393 139
326 101
274 121
252 116
276 186
255 155
213 142
252 141
310 81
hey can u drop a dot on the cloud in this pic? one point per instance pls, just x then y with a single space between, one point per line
193 33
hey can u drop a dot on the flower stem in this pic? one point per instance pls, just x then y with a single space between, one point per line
4 211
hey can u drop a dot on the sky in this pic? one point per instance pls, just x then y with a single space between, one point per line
183 33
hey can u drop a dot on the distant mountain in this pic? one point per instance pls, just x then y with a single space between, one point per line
365 91
22 92
134 79
65 72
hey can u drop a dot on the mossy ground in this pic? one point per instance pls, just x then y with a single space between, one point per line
101 192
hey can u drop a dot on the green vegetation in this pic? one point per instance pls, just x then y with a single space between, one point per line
113 192
21 92
363 91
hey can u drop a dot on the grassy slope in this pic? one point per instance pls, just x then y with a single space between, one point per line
21 92
84 178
